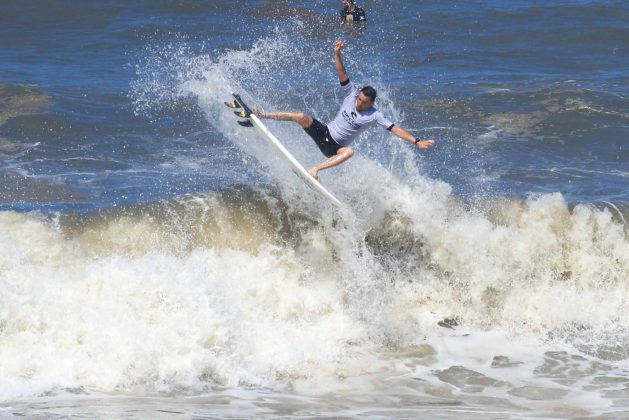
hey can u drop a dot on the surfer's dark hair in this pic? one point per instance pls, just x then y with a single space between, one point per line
369 92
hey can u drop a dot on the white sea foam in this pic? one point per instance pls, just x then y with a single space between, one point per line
124 304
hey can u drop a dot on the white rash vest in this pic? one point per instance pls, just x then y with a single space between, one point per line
349 123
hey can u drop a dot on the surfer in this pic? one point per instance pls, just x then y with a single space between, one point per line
356 114
351 12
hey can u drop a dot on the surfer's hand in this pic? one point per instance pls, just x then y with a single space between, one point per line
424 144
338 46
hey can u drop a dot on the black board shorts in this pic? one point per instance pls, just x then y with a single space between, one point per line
321 135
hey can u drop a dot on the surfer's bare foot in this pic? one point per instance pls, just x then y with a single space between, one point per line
260 112
314 173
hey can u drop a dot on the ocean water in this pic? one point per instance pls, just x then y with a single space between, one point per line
158 261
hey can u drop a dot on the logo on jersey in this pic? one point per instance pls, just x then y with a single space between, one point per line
351 119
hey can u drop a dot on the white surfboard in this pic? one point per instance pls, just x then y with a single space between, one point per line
286 156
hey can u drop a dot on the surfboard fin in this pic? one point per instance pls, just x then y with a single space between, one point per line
242 114
246 123
232 104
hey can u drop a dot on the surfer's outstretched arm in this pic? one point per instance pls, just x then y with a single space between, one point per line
338 62
406 136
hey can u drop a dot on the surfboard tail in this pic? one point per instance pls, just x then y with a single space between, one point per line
245 111
242 104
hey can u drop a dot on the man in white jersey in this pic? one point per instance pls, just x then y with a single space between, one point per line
356 114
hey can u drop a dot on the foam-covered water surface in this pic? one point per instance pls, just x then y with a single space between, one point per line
240 290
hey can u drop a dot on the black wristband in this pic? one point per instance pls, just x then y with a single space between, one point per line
417 141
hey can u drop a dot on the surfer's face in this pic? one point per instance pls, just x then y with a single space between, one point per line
363 102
